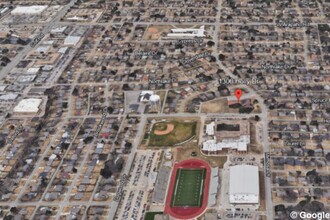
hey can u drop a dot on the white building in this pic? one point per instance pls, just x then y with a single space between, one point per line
30 105
33 70
3 10
145 96
210 128
9 97
43 49
71 40
76 18
29 10
237 140
63 50
244 185
168 155
240 144
187 32
155 102
58 30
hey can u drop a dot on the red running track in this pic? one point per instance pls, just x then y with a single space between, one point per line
188 212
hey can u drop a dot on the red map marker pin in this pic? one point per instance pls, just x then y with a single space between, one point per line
238 94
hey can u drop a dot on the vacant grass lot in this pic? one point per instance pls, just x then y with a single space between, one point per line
184 153
188 188
182 131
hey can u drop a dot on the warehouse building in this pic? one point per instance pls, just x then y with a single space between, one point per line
244 185
29 10
30 105
187 32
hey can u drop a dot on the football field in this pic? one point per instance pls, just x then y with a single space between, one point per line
189 187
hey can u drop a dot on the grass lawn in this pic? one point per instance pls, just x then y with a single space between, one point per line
182 131
151 215
184 153
189 188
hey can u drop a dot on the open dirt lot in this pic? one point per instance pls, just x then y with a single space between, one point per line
155 32
162 130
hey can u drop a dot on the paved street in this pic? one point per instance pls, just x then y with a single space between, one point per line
46 29
114 204
74 158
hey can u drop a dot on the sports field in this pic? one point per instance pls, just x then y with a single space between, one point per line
179 132
189 188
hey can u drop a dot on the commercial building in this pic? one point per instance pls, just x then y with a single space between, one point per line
33 70
187 32
244 185
71 40
29 10
30 105
9 97
59 30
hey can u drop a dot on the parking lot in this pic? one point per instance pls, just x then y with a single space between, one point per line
141 182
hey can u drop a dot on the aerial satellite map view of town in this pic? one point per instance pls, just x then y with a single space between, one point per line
164 109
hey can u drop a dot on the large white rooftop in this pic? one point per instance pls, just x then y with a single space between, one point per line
29 10
239 144
145 95
154 98
210 128
30 105
244 184
71 40
187 32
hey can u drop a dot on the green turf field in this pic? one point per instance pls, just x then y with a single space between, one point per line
189 186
